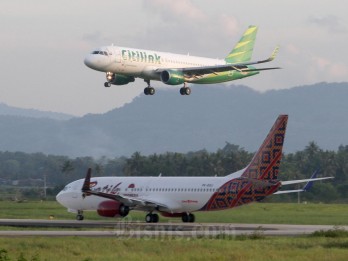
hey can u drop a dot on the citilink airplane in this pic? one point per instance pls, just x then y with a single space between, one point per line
181 196
122 65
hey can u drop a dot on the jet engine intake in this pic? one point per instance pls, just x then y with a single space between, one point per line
172 77
112 208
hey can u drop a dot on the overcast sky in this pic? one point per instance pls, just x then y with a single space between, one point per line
43 44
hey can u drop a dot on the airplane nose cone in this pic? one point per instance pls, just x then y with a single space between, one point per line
59 198
97 62
87 61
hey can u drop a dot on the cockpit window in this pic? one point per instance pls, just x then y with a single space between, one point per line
100 52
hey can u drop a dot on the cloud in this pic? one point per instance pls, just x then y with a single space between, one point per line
292 49
330 22
172 9
96 37
332 70
229 23
185 26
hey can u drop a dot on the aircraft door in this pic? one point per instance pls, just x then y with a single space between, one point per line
119 60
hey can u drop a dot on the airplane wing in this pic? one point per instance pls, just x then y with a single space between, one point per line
129 201
240 67
308 185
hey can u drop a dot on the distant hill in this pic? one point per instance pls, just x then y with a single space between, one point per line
8 110
209 117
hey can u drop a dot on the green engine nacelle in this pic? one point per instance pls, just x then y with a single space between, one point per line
172 77
118 79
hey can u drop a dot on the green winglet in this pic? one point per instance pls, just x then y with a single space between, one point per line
274 54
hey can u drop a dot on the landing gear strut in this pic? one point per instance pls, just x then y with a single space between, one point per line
79 215
149 90
188 217
151 218
185 90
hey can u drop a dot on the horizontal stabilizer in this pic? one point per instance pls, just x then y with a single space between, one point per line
290 182
308 185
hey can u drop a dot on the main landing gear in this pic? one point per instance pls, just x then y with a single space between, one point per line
188 217
151 218
149 90
79 215
185 90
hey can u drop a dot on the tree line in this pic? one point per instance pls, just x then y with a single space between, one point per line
60 170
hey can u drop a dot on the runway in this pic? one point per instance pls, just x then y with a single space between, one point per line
56 228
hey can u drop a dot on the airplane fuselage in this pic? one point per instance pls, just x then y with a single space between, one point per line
182 194
148 64
123 64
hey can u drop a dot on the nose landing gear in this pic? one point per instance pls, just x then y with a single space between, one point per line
79 215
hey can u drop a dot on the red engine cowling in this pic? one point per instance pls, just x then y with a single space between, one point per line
111 208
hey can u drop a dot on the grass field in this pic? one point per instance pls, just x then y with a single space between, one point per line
260 213
83 249
171 248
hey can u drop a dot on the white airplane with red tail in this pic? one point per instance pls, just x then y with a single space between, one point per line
181 196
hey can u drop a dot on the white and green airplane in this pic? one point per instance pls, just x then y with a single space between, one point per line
122 65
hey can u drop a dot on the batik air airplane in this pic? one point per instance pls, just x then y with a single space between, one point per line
122 65
181 196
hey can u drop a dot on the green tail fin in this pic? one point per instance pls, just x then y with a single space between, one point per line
244 49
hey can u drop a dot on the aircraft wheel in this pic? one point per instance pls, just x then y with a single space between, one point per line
187 91
79 217
155 218
185 217
151 218
107 84
149 91
124 210
148 218
152 90
191 218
